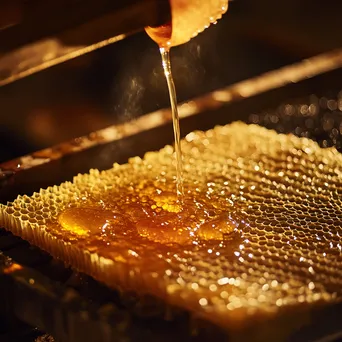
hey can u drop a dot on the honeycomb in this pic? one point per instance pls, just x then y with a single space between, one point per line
257 232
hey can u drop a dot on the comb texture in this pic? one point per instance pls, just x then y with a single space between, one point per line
282 193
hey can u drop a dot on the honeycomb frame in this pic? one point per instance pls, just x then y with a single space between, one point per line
288 193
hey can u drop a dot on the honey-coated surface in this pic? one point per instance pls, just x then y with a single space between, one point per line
258 229
189 18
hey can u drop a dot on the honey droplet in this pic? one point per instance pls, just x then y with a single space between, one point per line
217 228
161 35
84 221
168 201
136 211
164 229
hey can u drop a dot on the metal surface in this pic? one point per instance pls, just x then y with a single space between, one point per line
100 151
36 35
216 100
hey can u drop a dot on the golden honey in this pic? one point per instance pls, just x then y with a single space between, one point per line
161 35
258 233
189 18
150 213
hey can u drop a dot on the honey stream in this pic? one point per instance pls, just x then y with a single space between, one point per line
154 211
165 54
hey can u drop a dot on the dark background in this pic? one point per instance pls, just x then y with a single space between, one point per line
125 80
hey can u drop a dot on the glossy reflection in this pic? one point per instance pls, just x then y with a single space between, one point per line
153 214
258 230
85 221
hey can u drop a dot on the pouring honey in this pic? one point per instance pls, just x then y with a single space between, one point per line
169 217
189 18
